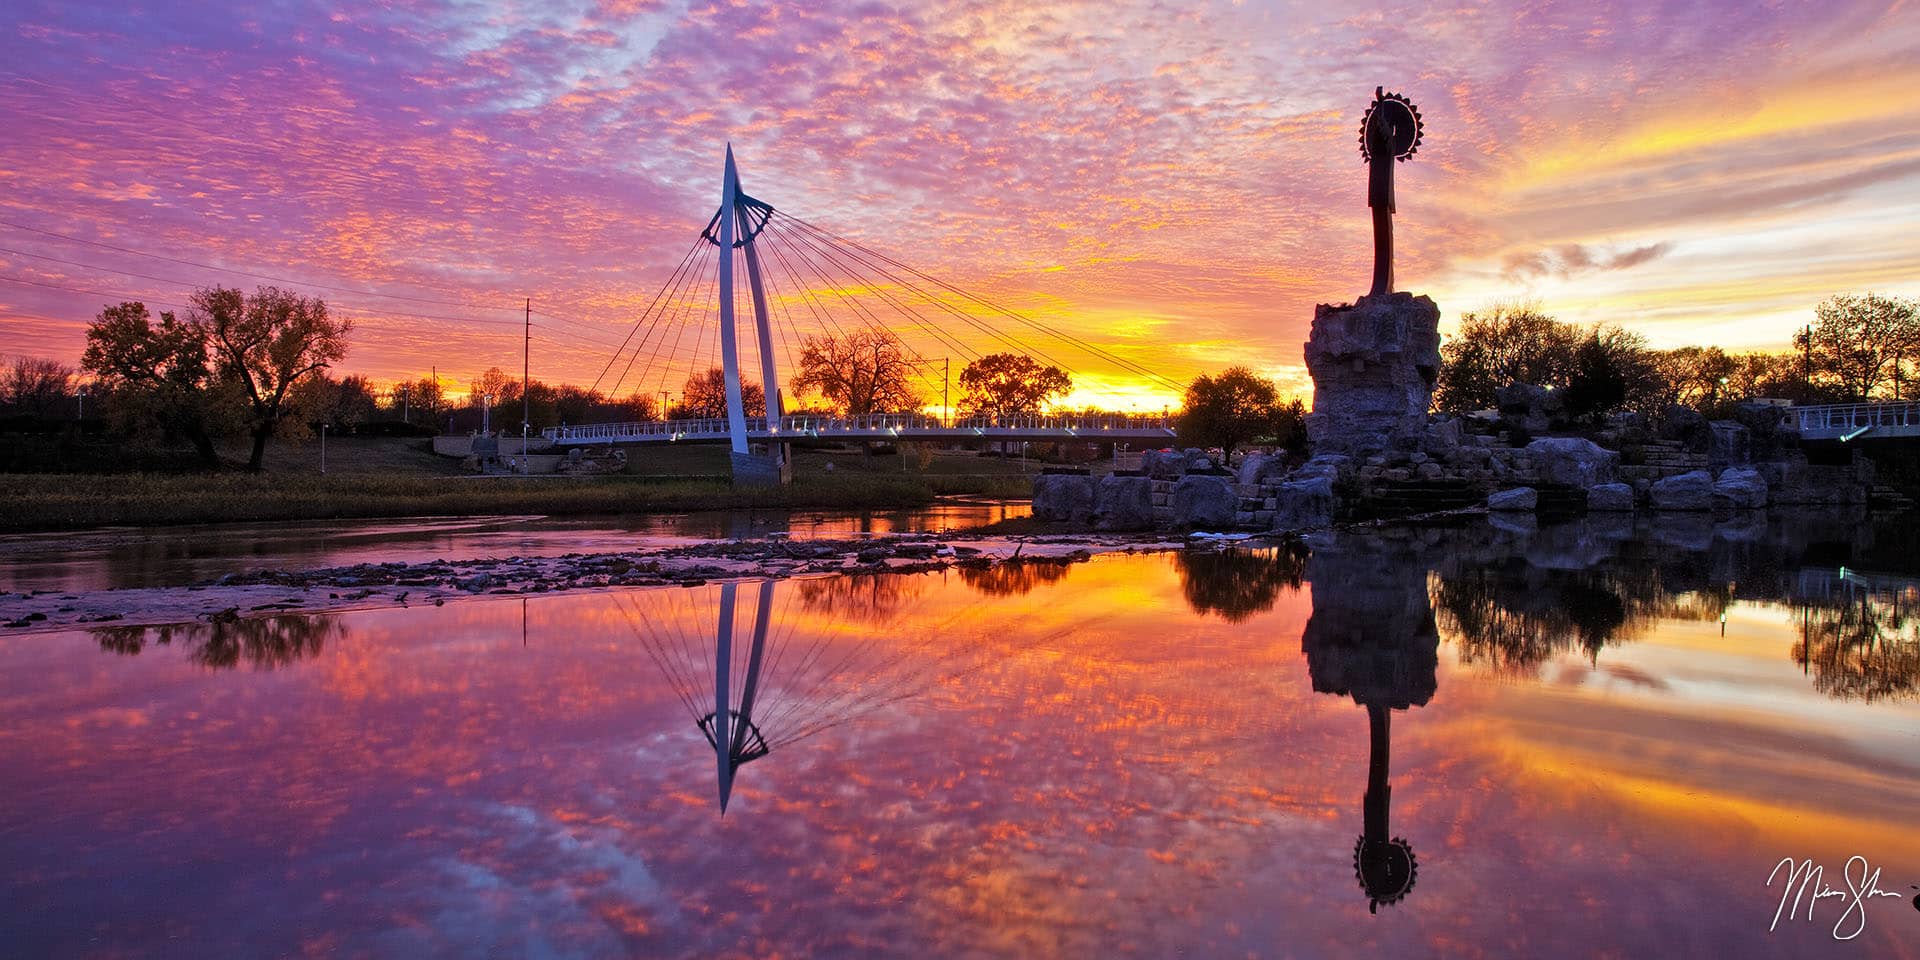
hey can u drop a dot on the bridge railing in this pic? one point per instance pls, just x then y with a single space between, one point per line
1844 418
868 425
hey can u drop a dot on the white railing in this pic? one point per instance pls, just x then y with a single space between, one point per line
871 425
1843 419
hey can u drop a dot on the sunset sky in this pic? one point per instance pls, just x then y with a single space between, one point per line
1177 182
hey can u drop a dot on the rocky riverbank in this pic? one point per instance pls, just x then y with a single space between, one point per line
269 592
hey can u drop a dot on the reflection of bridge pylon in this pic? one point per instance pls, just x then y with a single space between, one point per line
736 739
803 667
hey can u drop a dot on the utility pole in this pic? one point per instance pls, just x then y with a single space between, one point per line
1806 364
946 377
406 403
663 406
526 380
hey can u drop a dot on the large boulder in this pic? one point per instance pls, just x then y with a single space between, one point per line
1260 467
1163 464
1061 497
1123 503
1204 502
1610 498
1304 504
1573 461
1729 446
1373 364
1331 466
1198 461
1529 407
1687 426
1688 491
1741 489
1516 500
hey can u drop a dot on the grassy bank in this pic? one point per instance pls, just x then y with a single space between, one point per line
67 501
395 478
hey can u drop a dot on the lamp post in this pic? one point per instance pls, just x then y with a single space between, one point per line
486 414
323 449
80 393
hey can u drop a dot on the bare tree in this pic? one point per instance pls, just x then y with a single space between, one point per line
265 344
705 396
37 387
866 371
1858 342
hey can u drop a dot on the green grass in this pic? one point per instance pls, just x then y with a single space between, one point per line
392 478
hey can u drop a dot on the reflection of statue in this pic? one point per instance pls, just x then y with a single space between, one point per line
262 643
1237 584
1390 131
1372 637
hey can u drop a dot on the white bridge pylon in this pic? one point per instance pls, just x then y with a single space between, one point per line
737 229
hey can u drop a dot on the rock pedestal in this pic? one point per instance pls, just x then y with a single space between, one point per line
1373 366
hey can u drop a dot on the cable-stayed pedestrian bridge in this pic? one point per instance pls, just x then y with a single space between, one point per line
867 332
1848 422
880 427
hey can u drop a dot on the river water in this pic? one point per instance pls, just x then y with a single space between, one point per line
1590 739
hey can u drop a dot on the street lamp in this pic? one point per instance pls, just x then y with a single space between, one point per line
323 449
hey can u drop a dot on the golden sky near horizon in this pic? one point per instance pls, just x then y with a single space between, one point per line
1176 184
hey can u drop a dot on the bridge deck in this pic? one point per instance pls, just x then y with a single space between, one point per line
1858 421
876 427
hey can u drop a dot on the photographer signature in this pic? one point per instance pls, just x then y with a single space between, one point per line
1806 883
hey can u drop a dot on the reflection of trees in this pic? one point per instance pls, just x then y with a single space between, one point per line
866 597
1867 648
263 644
1515 617
1014 577
1238 583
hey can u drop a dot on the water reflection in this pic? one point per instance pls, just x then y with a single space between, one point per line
1107 764
263 644
1863 647
791 669
1236 583
1372 637
1014 578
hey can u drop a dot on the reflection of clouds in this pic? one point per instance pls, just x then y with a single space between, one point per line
526 885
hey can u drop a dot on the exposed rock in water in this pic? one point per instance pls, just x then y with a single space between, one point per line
1063 497
1741 489
1123 503
1304 504
1204 502
1688 491
1610 498
1573 461
1516 500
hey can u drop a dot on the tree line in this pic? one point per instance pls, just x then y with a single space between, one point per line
258 366
1859 348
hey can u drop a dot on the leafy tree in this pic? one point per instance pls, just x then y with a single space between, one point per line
265 344
1858 343
1010 384
1506 344
866 371
418 401
1610 369
1234 408
1236 584
705 396
157 373
37 387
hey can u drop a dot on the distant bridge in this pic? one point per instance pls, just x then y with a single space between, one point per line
804 286
890 426
1847 422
